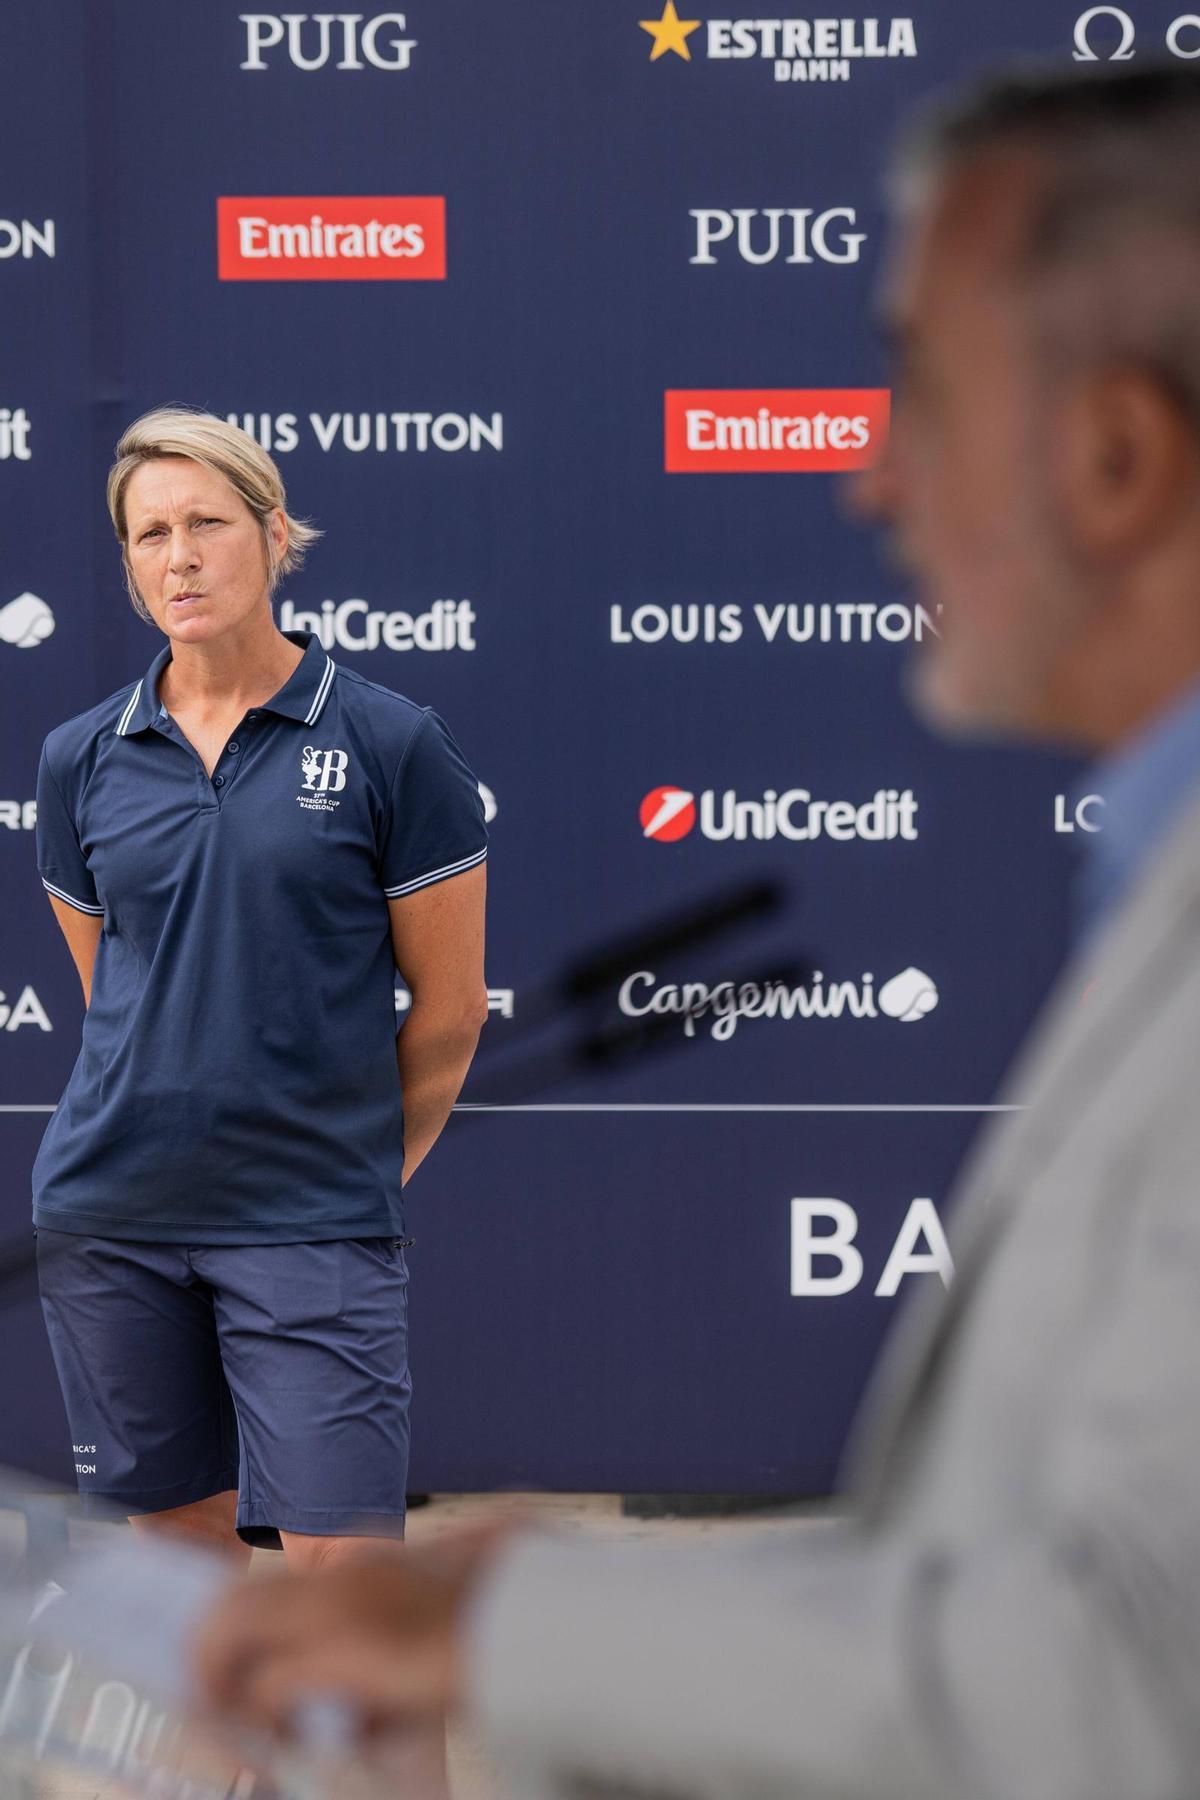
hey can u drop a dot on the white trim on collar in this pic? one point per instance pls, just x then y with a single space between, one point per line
322 694
123 721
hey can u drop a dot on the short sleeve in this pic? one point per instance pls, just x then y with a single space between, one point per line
434 824
61 862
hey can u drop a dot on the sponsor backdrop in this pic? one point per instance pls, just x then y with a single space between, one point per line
558 321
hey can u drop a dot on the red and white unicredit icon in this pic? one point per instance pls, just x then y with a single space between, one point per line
331 237
667 814
759 430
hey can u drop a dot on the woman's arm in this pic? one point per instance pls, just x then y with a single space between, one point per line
437 937
82 932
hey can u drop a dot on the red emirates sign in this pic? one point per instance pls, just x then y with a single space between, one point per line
759 430
331 237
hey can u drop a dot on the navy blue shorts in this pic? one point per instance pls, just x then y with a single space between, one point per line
280 1370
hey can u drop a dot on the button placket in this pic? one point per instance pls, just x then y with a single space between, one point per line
226 770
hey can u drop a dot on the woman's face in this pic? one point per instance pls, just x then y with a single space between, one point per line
195 549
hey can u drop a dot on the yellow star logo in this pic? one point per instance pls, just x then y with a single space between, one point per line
670 33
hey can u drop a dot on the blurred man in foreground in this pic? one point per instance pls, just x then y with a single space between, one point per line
1014 1609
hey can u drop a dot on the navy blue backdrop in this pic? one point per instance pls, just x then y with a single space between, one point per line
607 1247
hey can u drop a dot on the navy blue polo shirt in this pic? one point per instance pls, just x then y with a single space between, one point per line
237 1079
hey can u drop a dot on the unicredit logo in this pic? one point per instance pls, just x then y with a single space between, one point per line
353 625
339 237
757 430
669 813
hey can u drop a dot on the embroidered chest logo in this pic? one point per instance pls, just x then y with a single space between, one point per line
324 772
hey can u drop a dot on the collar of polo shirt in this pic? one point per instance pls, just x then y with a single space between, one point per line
302 696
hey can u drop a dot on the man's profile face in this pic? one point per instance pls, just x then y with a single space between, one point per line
966 483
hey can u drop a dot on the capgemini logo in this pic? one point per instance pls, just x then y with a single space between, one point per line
26 622
908 996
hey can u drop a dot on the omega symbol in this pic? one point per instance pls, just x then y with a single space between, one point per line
1083 50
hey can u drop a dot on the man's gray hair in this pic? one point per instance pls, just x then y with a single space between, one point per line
1112 244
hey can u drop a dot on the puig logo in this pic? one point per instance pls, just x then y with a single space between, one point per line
804 243
311 49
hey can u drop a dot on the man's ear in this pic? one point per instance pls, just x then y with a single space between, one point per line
1129 459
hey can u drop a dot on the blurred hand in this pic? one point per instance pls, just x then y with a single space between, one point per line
381 1631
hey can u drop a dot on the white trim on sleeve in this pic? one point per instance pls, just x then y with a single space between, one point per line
85 906
456 868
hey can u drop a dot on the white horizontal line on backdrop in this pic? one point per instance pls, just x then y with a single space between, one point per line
705 1106
697 1106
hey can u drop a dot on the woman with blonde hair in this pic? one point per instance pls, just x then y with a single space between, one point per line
241 848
